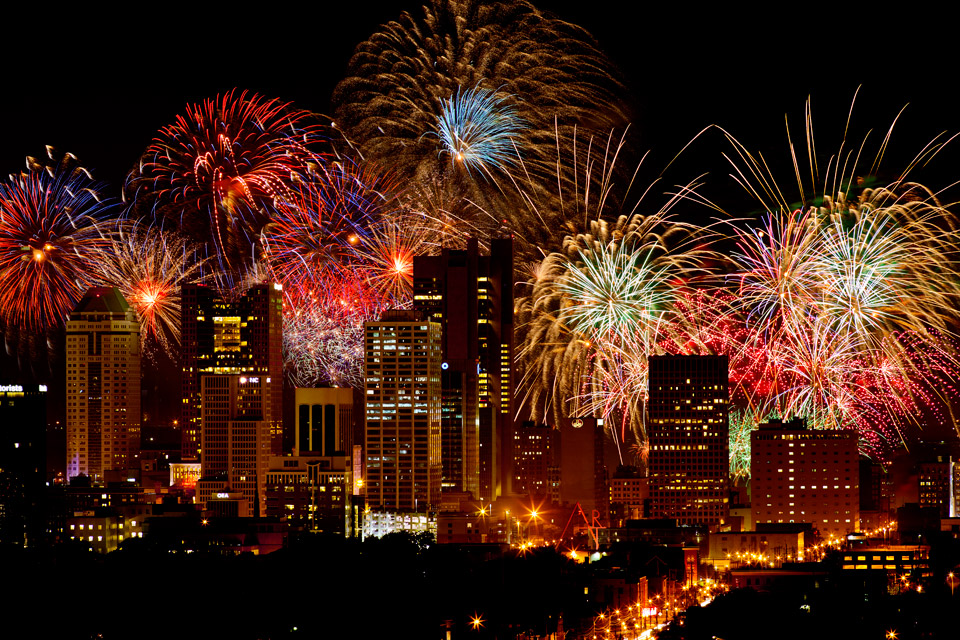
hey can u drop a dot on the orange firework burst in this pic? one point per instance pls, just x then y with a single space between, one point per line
50 235
149 267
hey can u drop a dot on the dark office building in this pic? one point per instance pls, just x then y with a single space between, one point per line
23 416
471 296
583 471
536 460
240 337
688 426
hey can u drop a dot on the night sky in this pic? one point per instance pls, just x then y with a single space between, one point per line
101 85
101 91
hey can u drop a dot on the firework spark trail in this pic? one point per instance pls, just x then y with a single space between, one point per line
51 233
849 299
519 72
478 129
323 331
318 226
597 310
217 169
150 266
742 423
400 77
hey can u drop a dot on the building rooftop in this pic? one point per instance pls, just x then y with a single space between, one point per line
102 300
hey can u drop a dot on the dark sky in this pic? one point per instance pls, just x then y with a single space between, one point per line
100 85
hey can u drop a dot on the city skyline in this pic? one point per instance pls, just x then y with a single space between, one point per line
863 114
502 311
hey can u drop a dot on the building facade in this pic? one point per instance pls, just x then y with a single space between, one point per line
236 438
236 337
402 368
583 472
103 386
688 425
324 421
471 297
308 492
536 460
803 475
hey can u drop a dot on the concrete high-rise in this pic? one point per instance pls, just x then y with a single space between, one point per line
471 297
103 386
236 438
805 475
688 426
242 337
402 417
324 421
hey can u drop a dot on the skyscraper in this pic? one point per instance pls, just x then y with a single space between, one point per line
103 385
688 425
471 297
236 438
240 337
402 416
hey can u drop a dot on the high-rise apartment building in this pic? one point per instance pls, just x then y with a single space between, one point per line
236 438
402 417
103 386
471 297
805 475
241 337
688 425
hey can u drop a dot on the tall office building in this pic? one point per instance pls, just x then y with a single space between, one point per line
239 337
802 475
471 297
688 425
402 416
313 488
103 386
236 438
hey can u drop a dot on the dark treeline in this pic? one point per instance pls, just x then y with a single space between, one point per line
322 587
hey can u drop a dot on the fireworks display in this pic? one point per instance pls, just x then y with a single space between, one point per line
318 226
217 170
594 312
846 300
479 130
149 267
836 304
405 77
454 99
51 233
